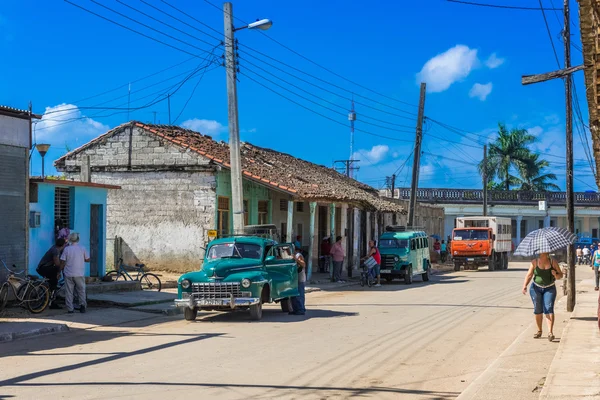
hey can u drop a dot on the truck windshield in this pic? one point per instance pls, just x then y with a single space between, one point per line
234 250
393 243
470 234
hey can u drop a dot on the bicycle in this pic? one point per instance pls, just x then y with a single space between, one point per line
60 292
147 280
29 292
367 276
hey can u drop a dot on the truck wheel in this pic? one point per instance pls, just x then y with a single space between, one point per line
456 267
425 275
286 305
408 278
506 261
256 311
190 314
491 262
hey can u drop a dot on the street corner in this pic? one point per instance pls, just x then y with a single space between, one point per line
14 330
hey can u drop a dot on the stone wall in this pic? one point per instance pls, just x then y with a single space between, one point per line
166 202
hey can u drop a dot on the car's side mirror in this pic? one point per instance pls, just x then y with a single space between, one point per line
270 259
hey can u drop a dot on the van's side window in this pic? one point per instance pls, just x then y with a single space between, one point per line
427 243
413 244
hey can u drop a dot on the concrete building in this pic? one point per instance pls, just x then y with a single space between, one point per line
82 208
521 206
176 187
15 143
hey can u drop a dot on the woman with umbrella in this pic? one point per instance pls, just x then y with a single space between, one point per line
543 272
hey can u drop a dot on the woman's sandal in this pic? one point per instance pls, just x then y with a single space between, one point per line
550 337
537 335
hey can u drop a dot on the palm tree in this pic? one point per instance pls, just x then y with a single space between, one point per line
533 176
510 150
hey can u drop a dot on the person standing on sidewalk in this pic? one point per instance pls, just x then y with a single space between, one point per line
596 267
299 302
49 268
444 252
544 271
337 253
73 262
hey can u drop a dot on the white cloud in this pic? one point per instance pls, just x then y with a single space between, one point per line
65 123
481 91
494 61
375 155
205 126
448 67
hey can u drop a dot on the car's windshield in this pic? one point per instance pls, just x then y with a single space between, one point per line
393 243
234 250
470 234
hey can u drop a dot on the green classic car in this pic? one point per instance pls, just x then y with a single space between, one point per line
240 272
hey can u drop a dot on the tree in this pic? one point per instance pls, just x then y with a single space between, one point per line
509 150
533 176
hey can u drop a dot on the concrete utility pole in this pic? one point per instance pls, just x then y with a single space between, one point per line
393 184
417 158
485 181
237 192
347 167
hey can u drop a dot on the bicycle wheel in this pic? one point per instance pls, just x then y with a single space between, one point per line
114 276
38 298
3 296
150 282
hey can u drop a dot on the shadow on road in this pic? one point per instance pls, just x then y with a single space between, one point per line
422 305
590 319
270 315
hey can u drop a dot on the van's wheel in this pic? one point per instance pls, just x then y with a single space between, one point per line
425 275
456 266
256 311
408 278
286 305
190 314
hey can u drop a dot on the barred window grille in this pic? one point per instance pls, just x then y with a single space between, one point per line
62 206
300 207
263 211
283 205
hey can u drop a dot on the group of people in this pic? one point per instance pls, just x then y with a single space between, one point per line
66 257
332 254
441 249
590 256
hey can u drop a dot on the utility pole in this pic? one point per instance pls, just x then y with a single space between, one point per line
393 184
569 129
485 181
351 118
237 192
347 166
154 112
417 158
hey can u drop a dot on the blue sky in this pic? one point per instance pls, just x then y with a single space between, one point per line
471 57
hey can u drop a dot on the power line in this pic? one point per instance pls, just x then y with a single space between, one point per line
500 6
189 16
549 33
191 95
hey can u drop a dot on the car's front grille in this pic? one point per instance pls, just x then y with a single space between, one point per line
387 261
215 290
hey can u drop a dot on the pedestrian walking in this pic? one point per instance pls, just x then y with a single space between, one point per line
586 255
73 262
579 254
444 251
298 302
337 253
596 267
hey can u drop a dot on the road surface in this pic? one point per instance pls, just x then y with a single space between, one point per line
424 341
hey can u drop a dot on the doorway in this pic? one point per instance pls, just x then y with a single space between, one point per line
96 239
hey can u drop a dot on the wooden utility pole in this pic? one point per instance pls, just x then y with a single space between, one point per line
393 184
565 74
569 129
485 181
417 158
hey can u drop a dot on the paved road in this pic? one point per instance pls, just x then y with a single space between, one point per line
425 341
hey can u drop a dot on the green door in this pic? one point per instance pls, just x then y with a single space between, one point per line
281 266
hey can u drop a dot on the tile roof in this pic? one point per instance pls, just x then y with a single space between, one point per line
15 112
271 168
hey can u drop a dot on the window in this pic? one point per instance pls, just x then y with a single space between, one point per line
263 212
283 205
223 214
234 250
62 206
541 223
470 234
300 207
427 242
393 243
246 214
413 244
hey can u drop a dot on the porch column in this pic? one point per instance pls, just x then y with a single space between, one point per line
311 240
355 239
343 230
546 221
376 229
519 220
332 233
586 224
290 222
368 232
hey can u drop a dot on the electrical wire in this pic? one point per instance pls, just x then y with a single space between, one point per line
470 3
191 95
549 33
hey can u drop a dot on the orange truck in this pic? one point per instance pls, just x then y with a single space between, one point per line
478 241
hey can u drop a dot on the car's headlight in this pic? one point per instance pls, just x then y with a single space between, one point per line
396 259
246 283
185 284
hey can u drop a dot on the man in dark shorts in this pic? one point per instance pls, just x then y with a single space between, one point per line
49 266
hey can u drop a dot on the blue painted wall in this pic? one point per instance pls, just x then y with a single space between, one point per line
42 238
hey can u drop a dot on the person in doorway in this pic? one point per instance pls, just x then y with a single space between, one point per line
579 254
73 262
298 302
325 259
62 231
443 252
337 253
49 268
374 252
298 242
596 267
543 273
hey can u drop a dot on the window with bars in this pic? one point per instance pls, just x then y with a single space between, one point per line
283 205
62 206
300 207
263 212
223 214
246 213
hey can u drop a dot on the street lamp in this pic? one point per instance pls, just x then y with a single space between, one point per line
237 191
42 149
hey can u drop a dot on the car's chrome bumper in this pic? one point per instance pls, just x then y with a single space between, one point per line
231 302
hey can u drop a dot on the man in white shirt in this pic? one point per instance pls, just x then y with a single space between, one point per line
586 254
73 261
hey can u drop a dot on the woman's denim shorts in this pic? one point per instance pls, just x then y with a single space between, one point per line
543 298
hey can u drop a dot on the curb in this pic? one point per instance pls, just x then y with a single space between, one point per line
8 337
311 289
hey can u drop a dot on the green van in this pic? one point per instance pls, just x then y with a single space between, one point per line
404 254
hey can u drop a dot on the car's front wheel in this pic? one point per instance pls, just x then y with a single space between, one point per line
256 311
190 314
408 278
286 305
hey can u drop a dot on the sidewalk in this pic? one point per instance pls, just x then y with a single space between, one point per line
575 370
